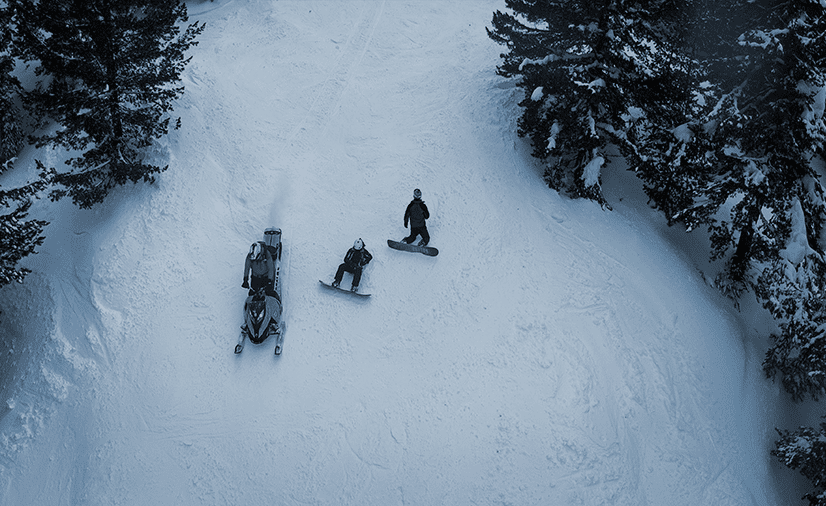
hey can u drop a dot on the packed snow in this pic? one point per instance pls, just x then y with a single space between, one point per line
553 353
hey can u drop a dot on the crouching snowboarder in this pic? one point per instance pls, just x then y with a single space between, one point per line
354 261
416 214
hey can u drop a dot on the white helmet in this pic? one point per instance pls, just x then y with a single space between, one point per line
358 244
256 251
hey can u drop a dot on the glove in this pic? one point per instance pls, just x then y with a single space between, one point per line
245 284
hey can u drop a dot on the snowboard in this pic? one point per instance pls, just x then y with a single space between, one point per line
331 287
426 250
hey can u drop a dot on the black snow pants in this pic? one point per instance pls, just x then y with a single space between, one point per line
352 269
257 282
415 231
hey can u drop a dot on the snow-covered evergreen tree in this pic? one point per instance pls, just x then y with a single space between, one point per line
796 296
729 139
763 140
18 236
746 162
805 451
793 286
11 136
111 72
590 71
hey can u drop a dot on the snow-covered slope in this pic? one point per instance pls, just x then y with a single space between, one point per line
553 353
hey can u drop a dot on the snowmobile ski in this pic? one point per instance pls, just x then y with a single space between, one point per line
241 340
279 341
402 246
337 289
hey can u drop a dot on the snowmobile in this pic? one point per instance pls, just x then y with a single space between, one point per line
263 308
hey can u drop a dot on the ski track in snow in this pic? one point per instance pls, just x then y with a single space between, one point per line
552 353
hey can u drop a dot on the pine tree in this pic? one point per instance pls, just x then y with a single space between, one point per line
751 172
11 136
112 68
747 164
796 297
18 237
590 72
805 450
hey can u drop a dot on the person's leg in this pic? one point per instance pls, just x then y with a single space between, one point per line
339 274
414 232
356 277
425 236
257 282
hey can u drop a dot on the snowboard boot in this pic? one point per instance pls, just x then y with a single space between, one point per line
354 288
335 284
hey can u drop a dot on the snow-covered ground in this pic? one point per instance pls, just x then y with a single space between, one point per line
552 354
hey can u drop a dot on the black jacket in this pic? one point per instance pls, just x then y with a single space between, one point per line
416 213
357 258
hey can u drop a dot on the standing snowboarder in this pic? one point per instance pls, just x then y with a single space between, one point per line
416 214
354 261
260 262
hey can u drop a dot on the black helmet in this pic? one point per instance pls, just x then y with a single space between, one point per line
417 193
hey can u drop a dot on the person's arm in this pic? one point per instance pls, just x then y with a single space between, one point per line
425 212
247 266
407 215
